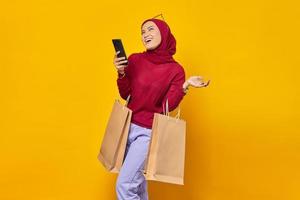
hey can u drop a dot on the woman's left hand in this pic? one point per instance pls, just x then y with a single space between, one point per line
197 81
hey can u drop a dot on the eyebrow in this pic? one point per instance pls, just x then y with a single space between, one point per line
149 27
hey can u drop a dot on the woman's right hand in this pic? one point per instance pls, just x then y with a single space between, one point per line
120 63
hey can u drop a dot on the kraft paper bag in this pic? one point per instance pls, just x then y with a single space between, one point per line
166 154
113 145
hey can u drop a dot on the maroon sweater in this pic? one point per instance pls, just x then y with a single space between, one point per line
149 86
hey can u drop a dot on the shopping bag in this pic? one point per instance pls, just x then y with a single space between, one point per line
113 146
166 153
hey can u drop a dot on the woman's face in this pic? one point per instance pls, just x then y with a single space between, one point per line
151 37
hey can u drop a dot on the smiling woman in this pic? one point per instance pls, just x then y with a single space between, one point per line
150 78
150 35
57 76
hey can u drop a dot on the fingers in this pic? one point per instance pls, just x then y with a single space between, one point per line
121 58
197 81
203 84
207 83
199 84
199 77
120 62
116 56
121 66
117 53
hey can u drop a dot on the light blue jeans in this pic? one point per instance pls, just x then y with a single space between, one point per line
131 183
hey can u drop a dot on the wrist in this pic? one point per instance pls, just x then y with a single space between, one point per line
121 72
185 85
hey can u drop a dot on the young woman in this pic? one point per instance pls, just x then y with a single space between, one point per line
150 78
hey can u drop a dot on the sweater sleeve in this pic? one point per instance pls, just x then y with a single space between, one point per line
175 92
123 82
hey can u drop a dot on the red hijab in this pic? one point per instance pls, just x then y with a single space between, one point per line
166 49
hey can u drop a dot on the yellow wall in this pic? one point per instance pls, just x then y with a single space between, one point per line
58 84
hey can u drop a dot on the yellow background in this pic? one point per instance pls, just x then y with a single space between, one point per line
58 85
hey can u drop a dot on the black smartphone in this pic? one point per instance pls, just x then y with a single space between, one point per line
119 47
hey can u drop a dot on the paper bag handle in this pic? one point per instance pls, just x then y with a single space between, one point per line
127 101
166 111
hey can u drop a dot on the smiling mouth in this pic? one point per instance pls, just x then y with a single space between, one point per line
149 40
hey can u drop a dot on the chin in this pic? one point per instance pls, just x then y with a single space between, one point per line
151 48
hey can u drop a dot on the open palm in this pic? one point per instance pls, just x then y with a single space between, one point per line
197 81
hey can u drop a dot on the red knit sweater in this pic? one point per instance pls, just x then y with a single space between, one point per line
149 86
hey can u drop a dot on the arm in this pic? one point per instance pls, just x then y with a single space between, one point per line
123 80
176 91
123 83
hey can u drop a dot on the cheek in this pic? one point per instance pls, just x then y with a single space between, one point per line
142 39
157 39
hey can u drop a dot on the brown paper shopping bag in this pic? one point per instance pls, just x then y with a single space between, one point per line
113 145
166 154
